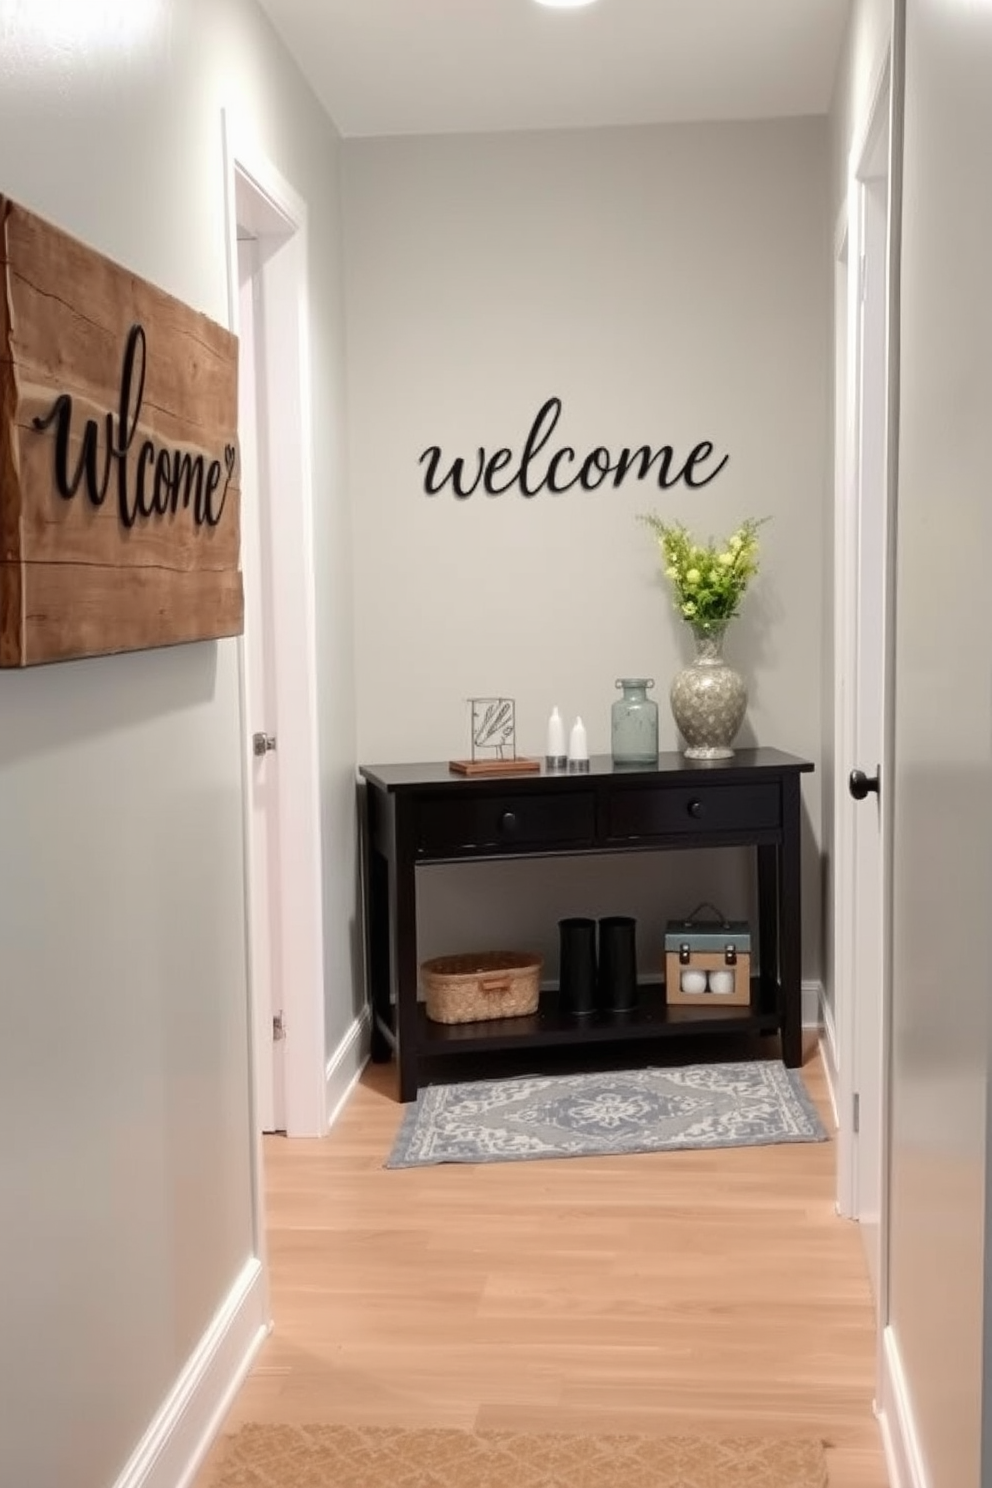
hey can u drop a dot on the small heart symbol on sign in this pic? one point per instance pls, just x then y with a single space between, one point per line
230 456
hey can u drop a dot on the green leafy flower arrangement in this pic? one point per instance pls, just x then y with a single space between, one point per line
709 579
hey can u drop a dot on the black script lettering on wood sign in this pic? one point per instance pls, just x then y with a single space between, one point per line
564 468
165 480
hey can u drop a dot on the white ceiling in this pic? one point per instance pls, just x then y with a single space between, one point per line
444 66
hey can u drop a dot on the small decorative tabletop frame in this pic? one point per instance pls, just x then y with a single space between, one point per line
494 740
494 728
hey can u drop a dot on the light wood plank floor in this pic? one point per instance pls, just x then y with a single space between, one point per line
697 1292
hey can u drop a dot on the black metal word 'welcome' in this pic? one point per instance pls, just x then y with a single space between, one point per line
164 479
497 472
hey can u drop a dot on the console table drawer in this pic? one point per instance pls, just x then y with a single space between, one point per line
495 823
714 808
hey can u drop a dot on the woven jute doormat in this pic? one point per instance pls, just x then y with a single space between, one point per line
384 1457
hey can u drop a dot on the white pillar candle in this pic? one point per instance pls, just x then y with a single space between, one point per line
578 752
577 746
556 736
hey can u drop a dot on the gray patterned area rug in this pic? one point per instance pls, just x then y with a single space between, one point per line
748 1104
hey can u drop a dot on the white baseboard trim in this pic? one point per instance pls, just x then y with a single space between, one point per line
346 1064
903 1456
828 1048
812 998
173 1448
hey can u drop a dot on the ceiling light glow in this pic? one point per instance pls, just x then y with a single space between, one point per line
75 25
564 4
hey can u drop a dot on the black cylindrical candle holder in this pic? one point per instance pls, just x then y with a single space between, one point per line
618 963
577 975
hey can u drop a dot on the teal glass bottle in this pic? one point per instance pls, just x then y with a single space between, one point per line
634 723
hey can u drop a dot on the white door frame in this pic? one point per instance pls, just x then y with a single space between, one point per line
845 651
259 698
299 873
846 566
845 673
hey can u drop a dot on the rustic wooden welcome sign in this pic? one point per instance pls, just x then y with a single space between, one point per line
119 468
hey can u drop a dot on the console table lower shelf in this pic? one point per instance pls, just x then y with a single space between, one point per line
652 1020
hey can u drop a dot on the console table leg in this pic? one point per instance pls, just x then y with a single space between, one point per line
409 1080
790 925
377 955
403 906
371 806
768 931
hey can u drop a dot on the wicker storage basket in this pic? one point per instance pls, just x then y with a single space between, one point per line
474 987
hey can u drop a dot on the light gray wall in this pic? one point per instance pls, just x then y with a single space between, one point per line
668 284
124 1119
942 809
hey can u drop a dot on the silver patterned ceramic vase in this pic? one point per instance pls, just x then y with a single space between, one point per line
709 699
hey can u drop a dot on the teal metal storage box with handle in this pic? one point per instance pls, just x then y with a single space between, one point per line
707 961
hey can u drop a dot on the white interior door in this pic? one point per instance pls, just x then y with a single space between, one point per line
863 978
868 971
260 693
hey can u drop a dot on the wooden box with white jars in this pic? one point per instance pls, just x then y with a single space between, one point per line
707 962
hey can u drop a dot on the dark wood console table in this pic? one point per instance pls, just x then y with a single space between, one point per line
419 814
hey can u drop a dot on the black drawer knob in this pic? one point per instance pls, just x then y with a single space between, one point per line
695 808
508 823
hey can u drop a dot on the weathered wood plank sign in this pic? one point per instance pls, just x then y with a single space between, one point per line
119 466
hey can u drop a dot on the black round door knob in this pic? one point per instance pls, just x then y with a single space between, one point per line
695 808
508 823
860 784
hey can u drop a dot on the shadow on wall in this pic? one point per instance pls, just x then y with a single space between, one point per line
46 708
